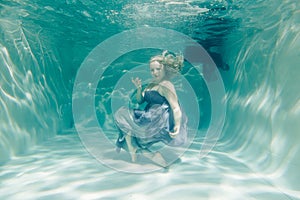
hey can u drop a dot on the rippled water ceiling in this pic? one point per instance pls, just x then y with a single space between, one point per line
255 45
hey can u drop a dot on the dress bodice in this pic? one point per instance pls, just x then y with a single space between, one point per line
153 97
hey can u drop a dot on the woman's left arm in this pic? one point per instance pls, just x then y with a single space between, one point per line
168 91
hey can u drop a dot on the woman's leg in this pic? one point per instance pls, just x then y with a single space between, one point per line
132 149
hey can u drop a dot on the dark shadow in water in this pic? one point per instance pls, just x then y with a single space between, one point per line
214 30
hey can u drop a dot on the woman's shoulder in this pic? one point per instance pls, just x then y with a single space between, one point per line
167 85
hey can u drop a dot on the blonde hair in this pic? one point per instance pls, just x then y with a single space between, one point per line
173 64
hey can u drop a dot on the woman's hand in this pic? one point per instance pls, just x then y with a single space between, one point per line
137 82
175 132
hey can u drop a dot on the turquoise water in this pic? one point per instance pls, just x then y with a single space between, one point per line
43 44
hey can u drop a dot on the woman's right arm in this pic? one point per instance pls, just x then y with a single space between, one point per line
139 95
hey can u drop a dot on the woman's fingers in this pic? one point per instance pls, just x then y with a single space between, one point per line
172 134
137 82
175 133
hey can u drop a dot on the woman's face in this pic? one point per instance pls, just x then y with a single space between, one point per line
157 71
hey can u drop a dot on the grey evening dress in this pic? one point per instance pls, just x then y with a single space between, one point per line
150 125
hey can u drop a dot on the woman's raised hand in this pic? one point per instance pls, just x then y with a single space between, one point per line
137 82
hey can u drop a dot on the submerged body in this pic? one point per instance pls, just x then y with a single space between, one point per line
162 120
150 125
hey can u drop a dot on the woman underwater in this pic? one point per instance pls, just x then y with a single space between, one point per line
162 120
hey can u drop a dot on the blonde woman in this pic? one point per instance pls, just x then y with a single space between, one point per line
162 120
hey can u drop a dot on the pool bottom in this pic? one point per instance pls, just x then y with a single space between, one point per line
61 168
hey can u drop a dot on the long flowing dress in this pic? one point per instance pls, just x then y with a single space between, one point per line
150 125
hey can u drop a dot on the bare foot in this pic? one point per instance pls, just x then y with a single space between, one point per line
158 159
